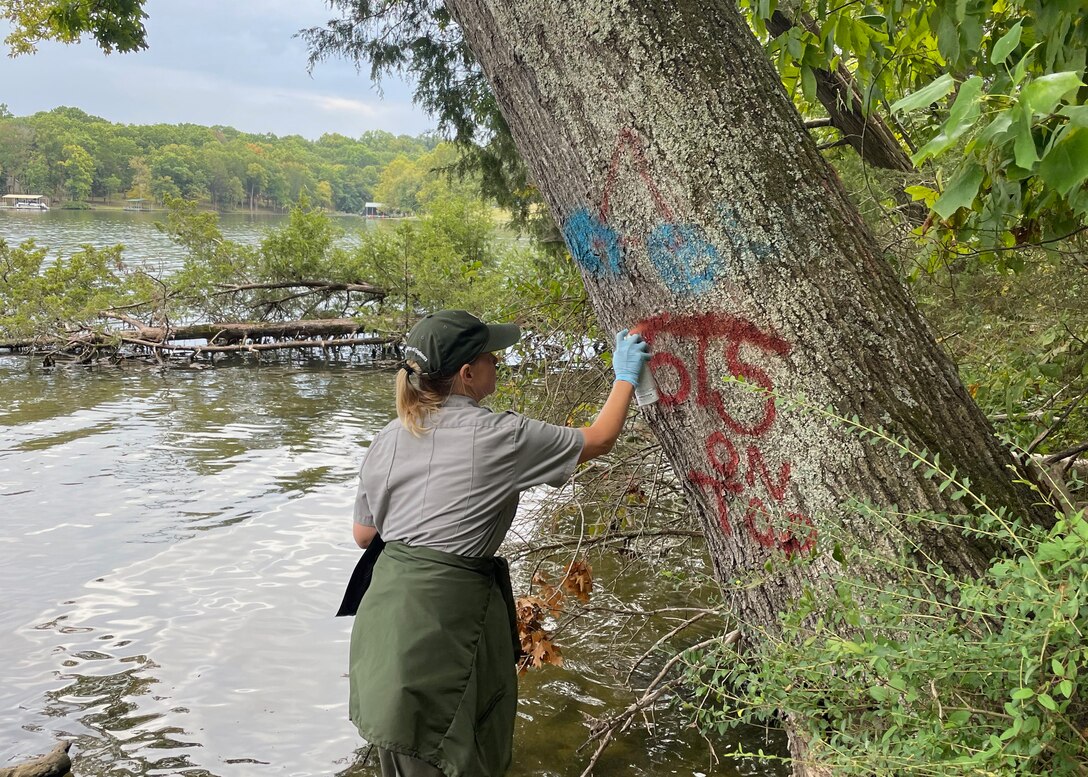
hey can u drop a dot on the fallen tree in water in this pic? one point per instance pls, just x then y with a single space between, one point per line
229 337
298 290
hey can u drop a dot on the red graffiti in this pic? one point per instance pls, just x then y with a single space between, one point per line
799 537
628 142
722 482
705 329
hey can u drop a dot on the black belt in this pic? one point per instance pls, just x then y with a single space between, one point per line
360 577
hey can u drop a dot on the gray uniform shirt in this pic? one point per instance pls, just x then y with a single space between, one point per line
456 488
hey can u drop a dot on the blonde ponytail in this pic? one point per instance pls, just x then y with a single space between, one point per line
415 403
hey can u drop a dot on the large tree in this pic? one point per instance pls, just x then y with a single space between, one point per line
698 208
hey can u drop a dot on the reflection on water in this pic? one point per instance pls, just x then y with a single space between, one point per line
174 546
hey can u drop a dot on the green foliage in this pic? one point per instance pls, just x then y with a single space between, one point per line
407 185
38 297
910 668
451 257
114 24
66 153
78 170
306 249
418 38
1019 343
993 90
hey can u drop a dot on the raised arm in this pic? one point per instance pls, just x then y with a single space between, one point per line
630 354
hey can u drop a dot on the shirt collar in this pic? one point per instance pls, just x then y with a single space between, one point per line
460 400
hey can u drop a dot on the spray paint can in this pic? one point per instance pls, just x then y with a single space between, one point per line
646 391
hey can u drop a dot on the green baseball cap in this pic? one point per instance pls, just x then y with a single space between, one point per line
444 341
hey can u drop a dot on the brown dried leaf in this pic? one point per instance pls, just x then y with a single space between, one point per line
578 580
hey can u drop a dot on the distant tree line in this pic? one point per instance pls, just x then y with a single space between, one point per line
70 155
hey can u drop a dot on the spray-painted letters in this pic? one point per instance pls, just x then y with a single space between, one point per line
684 257
678 383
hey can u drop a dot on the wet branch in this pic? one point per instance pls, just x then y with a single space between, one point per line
604 730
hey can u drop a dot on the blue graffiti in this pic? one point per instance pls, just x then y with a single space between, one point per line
686 261
740 241
593 244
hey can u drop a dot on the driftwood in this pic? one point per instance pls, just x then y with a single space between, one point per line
324 343
223 337
236 332
55 763
375 292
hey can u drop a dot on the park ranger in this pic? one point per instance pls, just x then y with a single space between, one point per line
433 649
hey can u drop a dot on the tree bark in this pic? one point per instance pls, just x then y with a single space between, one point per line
699 208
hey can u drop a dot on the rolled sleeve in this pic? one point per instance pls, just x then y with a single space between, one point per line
544 453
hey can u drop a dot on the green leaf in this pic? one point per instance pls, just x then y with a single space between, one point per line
1043 94
1057 668
1023 693
1022 66
1065 166
928 196
996 127
1066 687
794 45
927 95
965 110
961 192
958 718
948 38
808 83
1049 703
1078 115
1024 150
1009 41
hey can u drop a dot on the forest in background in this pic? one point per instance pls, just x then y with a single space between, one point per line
73 158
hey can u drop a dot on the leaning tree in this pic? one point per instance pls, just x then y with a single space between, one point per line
698 208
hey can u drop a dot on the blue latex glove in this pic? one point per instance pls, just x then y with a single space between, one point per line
630 354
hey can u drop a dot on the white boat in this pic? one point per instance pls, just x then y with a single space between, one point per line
24 201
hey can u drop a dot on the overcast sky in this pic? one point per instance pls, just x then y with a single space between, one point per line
230 62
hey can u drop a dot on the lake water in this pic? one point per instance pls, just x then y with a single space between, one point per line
174 546
64 231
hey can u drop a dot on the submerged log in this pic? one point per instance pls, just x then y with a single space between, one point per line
278 345
221 337
234 332
55 763
375 292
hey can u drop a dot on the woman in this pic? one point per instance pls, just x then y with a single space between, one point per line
433 649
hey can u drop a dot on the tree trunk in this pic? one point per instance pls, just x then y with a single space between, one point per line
698 207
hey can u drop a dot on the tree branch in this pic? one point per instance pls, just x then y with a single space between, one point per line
375 291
